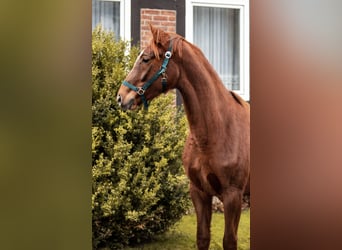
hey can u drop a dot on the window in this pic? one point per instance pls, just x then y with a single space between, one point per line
221 29
113 15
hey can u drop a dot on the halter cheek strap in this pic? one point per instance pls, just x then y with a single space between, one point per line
141 90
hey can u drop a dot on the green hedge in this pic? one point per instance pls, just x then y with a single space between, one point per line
139 187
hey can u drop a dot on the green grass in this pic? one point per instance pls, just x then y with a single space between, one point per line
183 235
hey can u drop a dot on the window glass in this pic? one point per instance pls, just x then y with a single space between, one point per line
106 13
217 32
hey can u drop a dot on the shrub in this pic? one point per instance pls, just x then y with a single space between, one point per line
139 187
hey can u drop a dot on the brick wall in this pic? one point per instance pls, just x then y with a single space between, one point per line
164 19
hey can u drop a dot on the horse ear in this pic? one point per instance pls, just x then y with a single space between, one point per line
159 36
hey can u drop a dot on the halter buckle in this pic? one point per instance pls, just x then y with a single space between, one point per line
168 54
140 91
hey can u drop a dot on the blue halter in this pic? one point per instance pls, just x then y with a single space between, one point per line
141 90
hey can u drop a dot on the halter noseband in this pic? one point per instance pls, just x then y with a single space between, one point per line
141 90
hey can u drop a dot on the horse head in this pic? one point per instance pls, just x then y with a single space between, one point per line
155 71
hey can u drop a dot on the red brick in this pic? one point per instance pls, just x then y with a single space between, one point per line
144 35
150 11
172 18
164 19
144 26
145 38
146 17
168 12
155 23
160 18
168 23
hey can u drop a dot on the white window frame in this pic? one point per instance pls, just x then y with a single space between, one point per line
243 6
125 18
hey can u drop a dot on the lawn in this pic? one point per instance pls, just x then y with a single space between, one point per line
183 235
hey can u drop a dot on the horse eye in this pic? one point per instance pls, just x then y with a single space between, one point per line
146 60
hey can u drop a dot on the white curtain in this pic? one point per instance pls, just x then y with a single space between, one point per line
217 33
106 13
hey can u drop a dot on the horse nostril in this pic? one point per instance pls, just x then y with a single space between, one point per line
119 99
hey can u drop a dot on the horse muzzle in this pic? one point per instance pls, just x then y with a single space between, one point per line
125 105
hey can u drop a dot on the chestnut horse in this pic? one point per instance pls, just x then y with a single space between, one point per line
216 155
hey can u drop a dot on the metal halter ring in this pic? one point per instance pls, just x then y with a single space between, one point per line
140 91
168 54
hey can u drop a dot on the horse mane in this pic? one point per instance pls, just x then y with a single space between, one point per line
162 39
237 98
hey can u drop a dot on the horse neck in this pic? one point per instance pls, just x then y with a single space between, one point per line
205 98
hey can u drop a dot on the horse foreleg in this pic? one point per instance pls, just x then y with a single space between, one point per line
202 204
232 200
